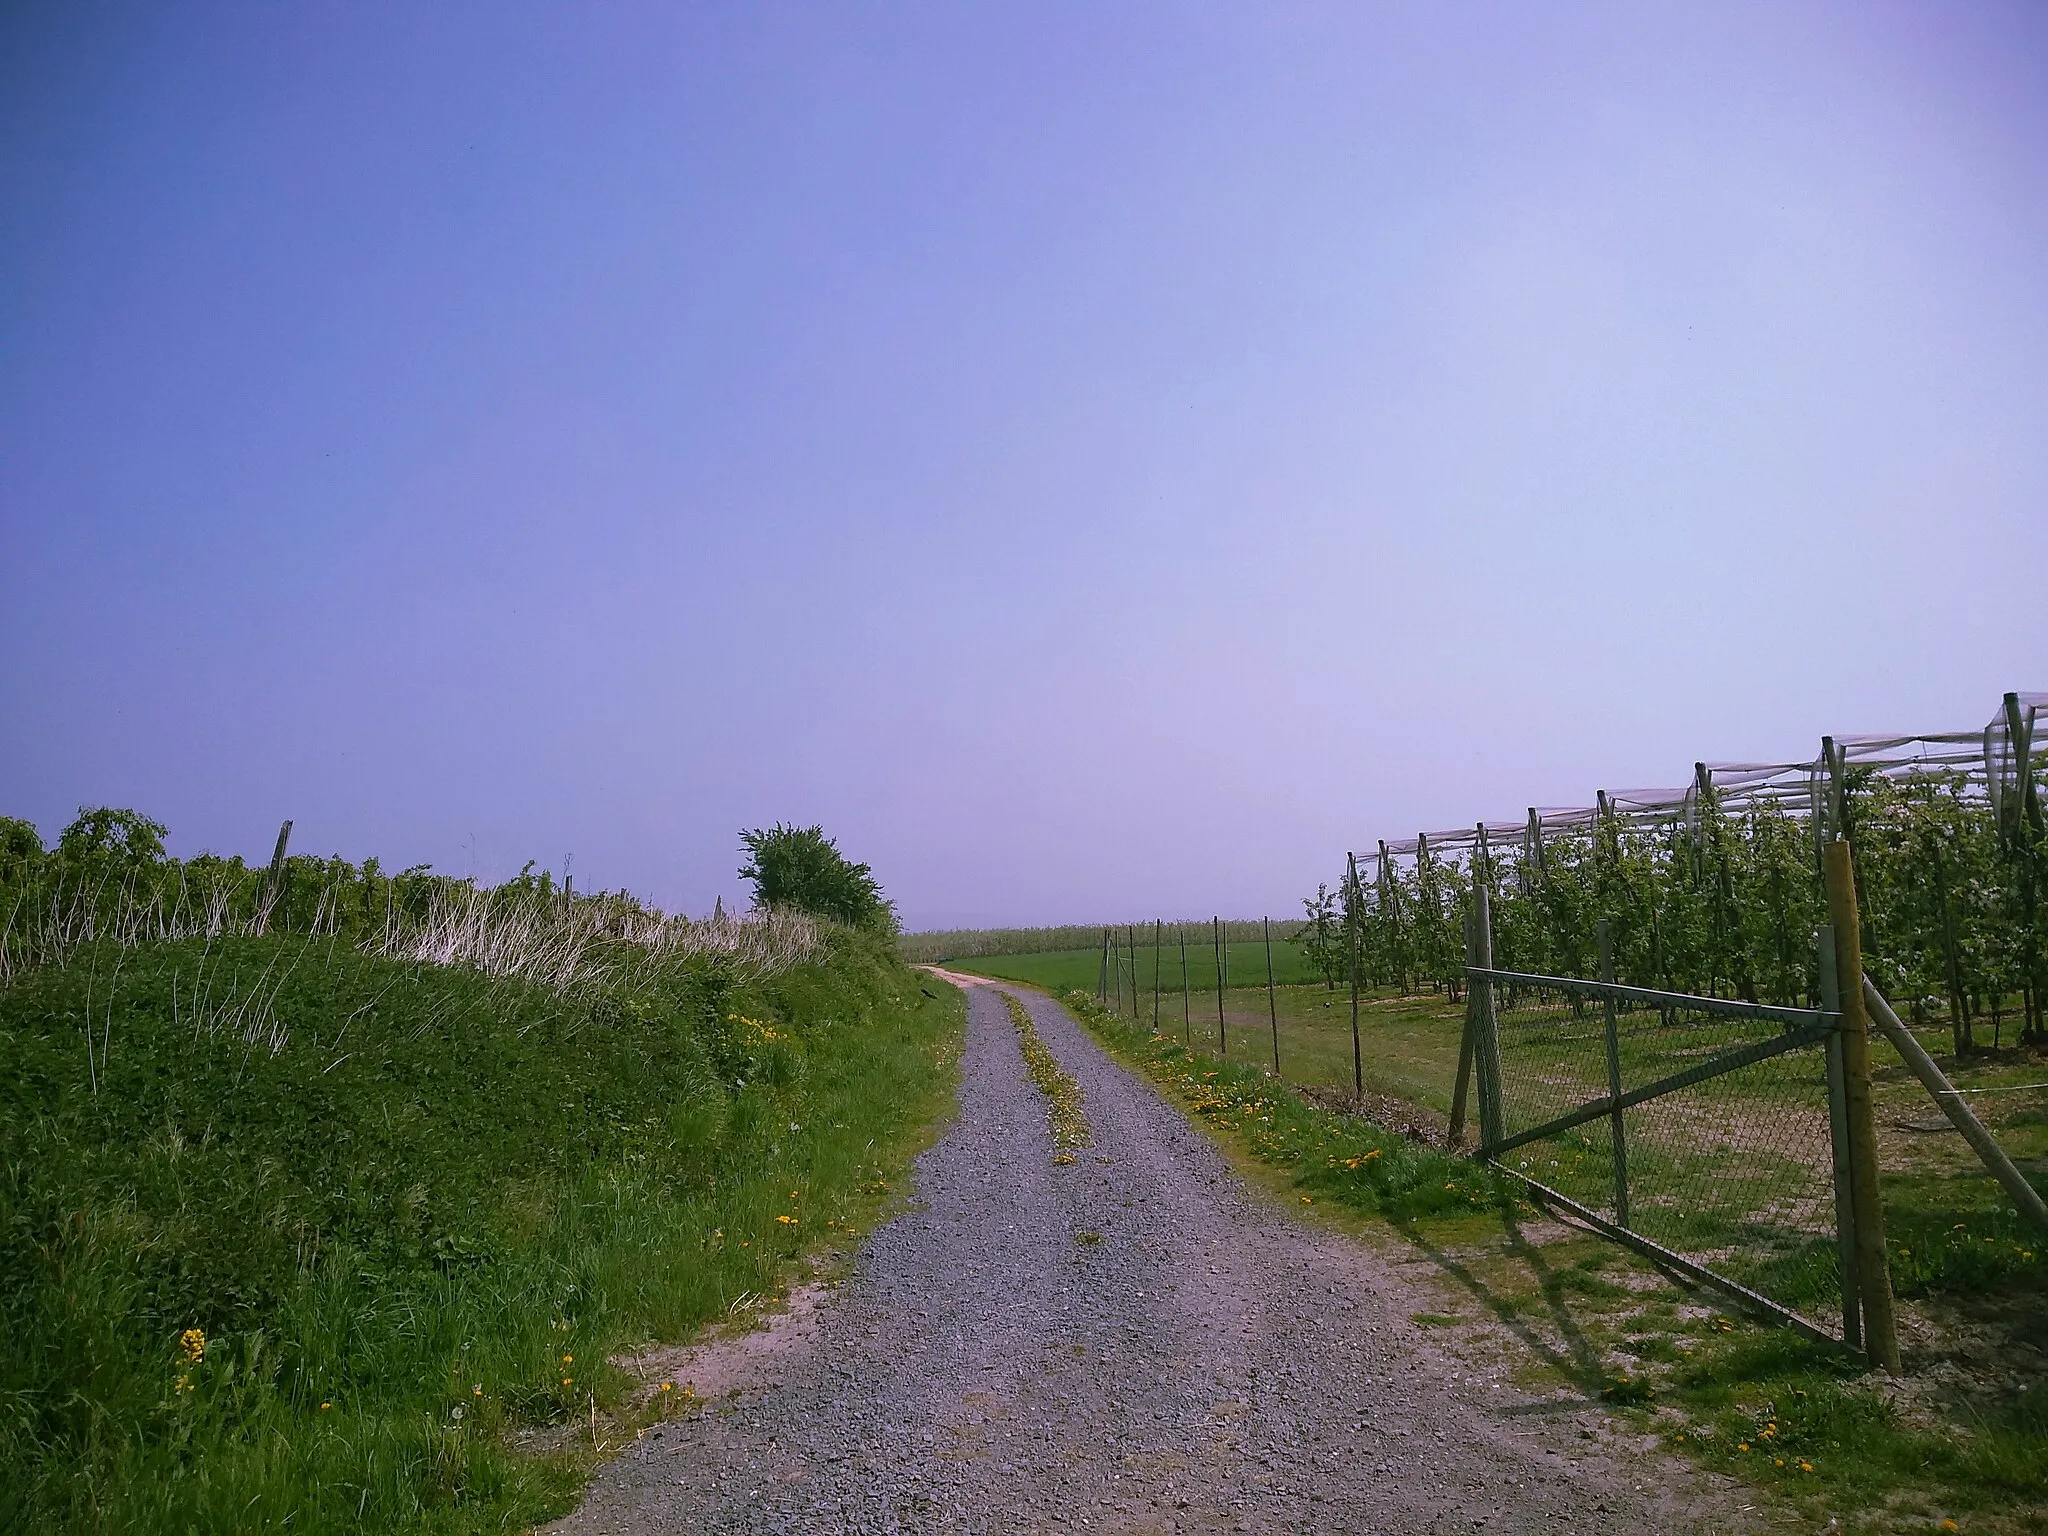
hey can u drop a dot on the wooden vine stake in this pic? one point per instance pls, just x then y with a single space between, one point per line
1873 1275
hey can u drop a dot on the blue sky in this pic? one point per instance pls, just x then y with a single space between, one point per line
1097 460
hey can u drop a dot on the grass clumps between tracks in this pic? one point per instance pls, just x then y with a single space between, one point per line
1065 1111
298 1236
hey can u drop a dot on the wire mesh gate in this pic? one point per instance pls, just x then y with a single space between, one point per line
1709 1134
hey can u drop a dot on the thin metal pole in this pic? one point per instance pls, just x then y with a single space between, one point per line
1187 1007
1616 1129
1272 1005
1355 915
1158 931
1102 971
1116 966
1222 1033
1131 943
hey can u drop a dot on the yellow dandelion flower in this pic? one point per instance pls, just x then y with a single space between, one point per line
325 1406
568 1359
787 1221
1806 1466
567 1379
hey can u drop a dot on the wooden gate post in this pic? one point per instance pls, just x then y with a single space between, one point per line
1838 1131
1873 1276
1486 1031
1617 1129
1459 1091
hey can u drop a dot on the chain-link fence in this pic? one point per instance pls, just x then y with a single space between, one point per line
1695 1127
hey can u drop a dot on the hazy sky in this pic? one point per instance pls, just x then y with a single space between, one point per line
1098 460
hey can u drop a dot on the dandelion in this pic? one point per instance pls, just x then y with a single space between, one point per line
1743 1447
325 1406
1950 1525
668 1386
1806 1466
477 1390
193 1342
1308 1199
567 1379
568 1359
787 1221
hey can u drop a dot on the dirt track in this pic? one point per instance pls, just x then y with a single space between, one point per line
1134 1342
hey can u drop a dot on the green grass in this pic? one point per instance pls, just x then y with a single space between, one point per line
1078 970
413 1210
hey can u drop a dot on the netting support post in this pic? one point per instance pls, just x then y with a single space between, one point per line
1102 971
1873 1276
1838 1132
1486 1030
1616 1127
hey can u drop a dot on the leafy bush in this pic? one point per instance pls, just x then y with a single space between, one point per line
801 867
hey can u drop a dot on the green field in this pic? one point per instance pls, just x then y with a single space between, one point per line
1081 969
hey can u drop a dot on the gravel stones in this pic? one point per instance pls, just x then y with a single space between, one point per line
1131 1342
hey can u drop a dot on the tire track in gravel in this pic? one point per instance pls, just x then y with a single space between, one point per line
1130 1343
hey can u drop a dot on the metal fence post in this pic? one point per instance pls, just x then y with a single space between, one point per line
1102 971
1187 1007
1158 933
1838 1135
1486 1034
1873 1276
1272 1004
1131 943
1222 1031
1616 1127
1354 909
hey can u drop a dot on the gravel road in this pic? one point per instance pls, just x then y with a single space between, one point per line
1131 1343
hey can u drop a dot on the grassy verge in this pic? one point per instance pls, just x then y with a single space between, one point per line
292 1236
1567 1313
1064 1110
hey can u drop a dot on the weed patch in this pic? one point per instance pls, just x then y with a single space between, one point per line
1065 1110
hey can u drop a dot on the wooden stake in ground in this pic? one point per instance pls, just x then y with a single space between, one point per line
1272 1005
273 877
1873 1275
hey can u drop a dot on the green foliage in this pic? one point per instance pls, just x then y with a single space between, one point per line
1726 905
411 1208
801 867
